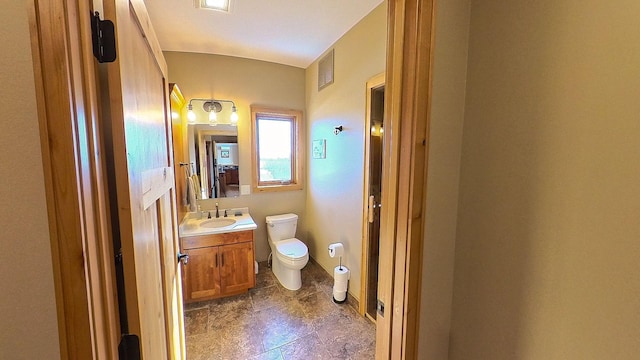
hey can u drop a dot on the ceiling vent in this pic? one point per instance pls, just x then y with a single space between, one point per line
218 5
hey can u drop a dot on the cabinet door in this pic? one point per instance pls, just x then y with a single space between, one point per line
237 272
202 274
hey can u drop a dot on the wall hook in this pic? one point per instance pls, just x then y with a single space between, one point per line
337 130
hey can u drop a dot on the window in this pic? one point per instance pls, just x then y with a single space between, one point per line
277 149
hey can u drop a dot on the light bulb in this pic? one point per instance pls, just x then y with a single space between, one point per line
234 115
191 115
213 117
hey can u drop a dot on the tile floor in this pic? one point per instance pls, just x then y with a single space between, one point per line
271 322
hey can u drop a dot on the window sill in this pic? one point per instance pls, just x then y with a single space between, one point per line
276 188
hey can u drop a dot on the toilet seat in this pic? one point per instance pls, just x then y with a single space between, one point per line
292 250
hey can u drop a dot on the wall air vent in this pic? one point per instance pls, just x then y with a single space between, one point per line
325 71
218 5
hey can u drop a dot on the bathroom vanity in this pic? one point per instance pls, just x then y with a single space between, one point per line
221 256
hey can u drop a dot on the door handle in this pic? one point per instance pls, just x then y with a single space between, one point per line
372 205
183 258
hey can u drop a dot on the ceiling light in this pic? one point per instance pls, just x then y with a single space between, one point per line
219 5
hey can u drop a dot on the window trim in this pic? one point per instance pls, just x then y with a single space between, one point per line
298 153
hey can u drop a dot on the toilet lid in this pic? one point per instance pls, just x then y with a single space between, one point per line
292 248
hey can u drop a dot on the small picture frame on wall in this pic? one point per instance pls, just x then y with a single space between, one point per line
319 149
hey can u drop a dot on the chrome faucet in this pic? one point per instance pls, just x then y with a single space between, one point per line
217 212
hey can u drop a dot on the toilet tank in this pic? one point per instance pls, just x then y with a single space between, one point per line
280 227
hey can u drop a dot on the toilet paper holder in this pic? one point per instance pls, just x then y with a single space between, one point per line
336 250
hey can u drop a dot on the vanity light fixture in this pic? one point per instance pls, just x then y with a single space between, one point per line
213 107
190 114
213 118
234 115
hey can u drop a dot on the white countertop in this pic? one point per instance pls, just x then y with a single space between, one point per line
190 226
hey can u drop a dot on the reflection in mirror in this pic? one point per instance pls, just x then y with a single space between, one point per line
213 154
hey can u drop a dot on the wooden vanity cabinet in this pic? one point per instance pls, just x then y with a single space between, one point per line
201 275
219 265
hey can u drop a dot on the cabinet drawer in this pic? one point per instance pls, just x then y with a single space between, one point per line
194 242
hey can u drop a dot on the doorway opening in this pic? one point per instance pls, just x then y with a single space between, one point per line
373 192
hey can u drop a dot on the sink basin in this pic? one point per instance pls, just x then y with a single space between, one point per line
194 224
217 223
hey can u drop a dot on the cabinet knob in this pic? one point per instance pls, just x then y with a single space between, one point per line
183 258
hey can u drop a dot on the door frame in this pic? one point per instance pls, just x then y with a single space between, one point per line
83 269
373 83
407 115
75 182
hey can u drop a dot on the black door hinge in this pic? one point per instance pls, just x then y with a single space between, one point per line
129 348
104 39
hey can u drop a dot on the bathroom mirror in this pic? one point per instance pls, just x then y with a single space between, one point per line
214 157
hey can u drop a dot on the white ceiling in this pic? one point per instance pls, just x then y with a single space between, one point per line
291 32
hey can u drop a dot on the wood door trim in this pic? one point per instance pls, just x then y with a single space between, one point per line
407 104
178 127
373 83
77 203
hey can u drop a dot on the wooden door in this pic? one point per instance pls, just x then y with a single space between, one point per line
202 274
237 271
372 195
145 216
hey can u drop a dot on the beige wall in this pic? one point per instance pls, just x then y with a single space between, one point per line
445 141
246 82
335 184
548 241
27 305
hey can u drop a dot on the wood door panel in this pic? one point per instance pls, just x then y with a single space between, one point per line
140 136
171 272
237 271
202 275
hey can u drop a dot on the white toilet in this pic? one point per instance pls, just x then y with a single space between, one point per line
288 254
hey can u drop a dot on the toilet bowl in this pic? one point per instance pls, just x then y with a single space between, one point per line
288 254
